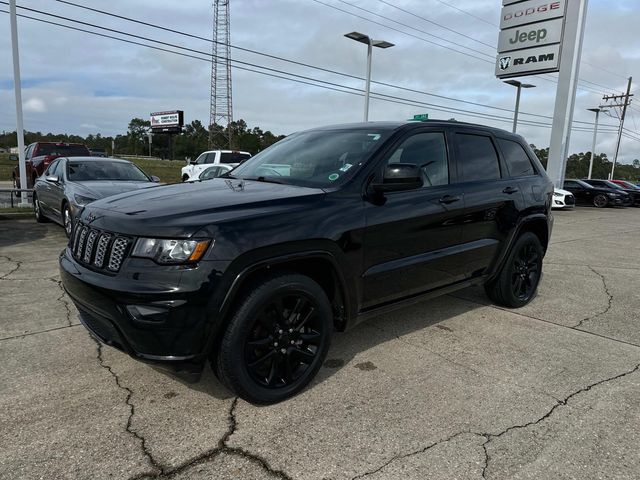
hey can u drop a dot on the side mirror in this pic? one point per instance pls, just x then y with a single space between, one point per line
14 158
52 179
155 179
399 177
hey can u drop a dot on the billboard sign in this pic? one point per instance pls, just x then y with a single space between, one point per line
533 35
167 121
531 11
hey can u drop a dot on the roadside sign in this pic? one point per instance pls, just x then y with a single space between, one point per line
528 61
531 11
420 117
533 35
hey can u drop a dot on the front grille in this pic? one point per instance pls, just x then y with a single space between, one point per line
99 249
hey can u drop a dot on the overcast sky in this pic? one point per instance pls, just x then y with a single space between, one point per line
78 83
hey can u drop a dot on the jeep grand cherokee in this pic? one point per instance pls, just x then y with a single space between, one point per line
255 270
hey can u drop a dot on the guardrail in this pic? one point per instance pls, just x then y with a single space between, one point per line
14 191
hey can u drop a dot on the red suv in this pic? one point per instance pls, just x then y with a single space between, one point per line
40 154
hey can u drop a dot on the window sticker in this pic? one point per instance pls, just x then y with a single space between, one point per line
346 167
333 177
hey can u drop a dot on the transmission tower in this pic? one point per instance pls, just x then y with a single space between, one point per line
221 111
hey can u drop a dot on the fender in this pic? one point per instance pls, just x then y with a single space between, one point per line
522 223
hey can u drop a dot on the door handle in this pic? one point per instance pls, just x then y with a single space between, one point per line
447 199
510 190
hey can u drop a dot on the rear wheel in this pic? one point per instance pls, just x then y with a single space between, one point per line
37 210
16 185
518 280
600 201
276 340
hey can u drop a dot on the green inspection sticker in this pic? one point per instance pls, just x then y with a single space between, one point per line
333 177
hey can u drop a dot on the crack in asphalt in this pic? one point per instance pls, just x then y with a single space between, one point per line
411 454
62 299
222 448
17 267
28 334
606 291
491 436
143 442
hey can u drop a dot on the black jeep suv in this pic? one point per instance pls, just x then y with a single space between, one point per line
253 271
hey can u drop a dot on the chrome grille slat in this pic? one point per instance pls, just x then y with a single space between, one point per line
88 251
83 237
101 250
117 253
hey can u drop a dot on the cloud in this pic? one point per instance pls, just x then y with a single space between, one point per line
34 105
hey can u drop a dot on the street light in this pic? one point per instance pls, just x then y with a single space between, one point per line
520 86
362 38
595 133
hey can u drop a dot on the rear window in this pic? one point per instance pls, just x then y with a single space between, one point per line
478 158
517 159
63 150
234 157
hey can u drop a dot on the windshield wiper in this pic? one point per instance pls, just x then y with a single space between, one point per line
264 179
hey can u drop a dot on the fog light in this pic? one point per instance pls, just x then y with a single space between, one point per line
145 313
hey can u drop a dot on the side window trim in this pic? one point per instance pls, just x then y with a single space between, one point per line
506 163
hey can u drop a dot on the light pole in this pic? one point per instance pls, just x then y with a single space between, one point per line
595 133
362 38
519 86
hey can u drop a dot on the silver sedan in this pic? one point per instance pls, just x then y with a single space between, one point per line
71 182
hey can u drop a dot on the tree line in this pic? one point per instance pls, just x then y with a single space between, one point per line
193 140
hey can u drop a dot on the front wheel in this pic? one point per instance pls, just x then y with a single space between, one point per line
600 201
276 340
185 178
16 186
37 209
67 219
518 279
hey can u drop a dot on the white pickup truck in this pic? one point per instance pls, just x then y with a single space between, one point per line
212 157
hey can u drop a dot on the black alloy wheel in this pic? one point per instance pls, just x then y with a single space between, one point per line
517 282
277 339
600 200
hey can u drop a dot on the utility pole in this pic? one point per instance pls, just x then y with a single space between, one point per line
595 134
22 166
626 100
221 107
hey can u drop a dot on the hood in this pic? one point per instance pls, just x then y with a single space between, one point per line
106 188
182 209
561 191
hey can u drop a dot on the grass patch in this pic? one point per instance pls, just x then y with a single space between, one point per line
6 166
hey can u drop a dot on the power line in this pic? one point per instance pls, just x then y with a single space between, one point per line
300 79
467 13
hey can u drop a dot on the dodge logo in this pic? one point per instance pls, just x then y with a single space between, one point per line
505 62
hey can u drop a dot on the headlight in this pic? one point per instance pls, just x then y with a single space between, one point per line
82 200
613 195
170 251
556 194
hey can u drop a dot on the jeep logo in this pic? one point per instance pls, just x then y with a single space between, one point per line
533 35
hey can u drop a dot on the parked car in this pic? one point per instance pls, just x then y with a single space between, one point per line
562 199
98 152
70 183
255 271
633 193
39 156
213 157
626 184
600 197
215 171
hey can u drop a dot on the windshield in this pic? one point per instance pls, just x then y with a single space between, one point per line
582 184
319 158
613 185
630 185
62 150
78 171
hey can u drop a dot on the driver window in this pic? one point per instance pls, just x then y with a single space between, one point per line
429 152
58 171
211 158
51 169
200 160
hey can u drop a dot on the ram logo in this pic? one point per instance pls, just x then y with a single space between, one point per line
505 62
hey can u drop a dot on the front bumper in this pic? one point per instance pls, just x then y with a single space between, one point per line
145 316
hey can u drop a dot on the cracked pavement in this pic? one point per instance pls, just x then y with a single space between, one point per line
452 388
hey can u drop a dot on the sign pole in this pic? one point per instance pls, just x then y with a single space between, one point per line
22 165
575 18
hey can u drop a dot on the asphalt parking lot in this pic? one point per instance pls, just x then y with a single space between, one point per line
451 388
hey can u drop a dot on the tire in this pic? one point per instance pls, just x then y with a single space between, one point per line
517 282
600 201
269 352
37 210
67 219
16 186
185 178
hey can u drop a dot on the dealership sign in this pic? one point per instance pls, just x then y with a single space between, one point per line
530 39
167 121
